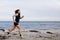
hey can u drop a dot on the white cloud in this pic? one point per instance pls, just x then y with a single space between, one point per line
31 9
41 19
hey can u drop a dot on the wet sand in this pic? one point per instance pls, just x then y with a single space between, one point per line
32 35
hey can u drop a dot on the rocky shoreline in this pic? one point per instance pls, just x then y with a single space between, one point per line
31 35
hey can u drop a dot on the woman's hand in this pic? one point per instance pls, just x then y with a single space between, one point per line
22 16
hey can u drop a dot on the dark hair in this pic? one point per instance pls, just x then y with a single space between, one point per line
16 11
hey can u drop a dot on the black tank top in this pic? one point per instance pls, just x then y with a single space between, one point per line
17 18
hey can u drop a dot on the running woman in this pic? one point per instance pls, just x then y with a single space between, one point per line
16 19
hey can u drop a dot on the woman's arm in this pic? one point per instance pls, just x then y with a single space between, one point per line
13 19
21 17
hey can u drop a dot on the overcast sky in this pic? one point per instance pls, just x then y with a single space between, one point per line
33 10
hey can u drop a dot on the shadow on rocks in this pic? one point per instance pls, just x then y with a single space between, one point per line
33 31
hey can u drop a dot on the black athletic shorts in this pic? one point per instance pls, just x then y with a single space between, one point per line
16 23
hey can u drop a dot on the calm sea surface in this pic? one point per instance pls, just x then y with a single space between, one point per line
27 25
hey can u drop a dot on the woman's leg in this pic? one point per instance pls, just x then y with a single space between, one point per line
12 29
19 29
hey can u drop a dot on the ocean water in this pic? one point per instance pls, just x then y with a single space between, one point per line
27 25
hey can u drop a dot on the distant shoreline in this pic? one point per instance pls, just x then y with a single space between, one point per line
40 21
50 21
